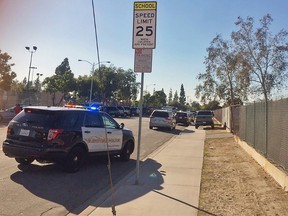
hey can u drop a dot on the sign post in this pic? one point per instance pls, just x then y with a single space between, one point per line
144 40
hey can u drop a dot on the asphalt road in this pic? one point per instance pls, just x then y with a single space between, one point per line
43 189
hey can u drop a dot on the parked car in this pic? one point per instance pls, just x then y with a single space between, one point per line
192 115
162 119
182 118
65 136
8 114
127 110
113 111
122 111
135 111
204 118
146 111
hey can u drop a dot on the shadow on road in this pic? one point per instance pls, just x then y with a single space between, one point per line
71 190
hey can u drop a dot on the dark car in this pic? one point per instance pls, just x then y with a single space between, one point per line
135 111
182 118
122 111
204 118
127 111
113 111
66 136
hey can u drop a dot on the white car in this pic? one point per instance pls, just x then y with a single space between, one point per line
162 119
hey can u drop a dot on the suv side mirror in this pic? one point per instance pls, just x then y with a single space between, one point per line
122 125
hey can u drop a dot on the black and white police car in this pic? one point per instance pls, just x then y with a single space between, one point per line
66 136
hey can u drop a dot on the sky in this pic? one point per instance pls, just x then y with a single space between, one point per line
65 29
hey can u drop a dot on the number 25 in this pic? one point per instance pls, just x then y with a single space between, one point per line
140 29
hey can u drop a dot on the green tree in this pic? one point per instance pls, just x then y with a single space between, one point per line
213 105
170 96
196 106
6 74
83 84
147 101
63 81
160 97
157 100
125 83
175 97
135 91
224 79
182 98
119 85
264 55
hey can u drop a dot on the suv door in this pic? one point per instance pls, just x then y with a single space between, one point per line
97 136
114 133
93 132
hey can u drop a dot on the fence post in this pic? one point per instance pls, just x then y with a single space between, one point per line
266 128
254 123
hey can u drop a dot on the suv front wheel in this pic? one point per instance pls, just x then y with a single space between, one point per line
126 152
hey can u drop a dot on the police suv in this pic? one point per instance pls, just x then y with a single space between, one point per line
66 136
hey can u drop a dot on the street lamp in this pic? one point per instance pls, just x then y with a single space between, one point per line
38 75
33 50
33 68
92 71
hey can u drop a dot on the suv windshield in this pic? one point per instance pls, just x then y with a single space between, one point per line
183 114
204 113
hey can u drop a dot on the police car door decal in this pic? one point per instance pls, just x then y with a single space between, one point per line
95 138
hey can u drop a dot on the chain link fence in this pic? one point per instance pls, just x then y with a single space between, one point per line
9 99
262 126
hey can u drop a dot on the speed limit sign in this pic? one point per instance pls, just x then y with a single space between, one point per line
144 25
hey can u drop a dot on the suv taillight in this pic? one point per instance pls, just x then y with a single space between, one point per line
53 133
168 118
10 131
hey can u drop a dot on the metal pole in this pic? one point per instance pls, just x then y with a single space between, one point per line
139 131
28 89
91 87
96 37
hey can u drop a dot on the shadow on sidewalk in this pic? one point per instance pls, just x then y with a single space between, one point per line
150 179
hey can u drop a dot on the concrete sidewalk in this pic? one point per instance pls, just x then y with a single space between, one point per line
169 182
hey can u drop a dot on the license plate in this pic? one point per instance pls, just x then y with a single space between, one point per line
204 122
24 132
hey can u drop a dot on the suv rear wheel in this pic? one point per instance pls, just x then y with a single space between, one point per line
75 159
